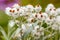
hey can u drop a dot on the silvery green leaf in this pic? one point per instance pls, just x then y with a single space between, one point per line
3 33
15 32
27 32
11 31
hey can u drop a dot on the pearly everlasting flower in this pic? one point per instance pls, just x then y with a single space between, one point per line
30 20
49 21
57 20
44 15
17 6
22 12
24 8
30 8
36 27
12 12
38 8
58 11
41 16
50 5
7 11
51 10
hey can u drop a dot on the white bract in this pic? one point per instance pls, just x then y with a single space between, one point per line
30 8
7 11
12 12
57 20
58 11
51 10
17 6
38 8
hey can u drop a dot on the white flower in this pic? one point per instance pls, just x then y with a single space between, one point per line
38 8
16 6
36 27
58 11
7 11
51 10
21 12
57 20
41 16
30 20
11 23
45 16
50 5
24 8
30 8
12 12
49 21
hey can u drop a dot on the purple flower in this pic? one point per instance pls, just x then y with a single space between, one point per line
7 3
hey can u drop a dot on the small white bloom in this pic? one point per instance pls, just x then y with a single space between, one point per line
8 11
36 27
21 12
41 16
57 20
51 10
38 8
50 5
30 20
16 6
58 11
14 13
30 8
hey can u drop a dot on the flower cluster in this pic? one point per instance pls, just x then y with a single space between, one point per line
35 19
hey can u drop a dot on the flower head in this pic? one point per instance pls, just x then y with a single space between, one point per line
58 11
51 10
38 8
29 8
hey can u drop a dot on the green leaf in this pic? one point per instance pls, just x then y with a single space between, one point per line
3 33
